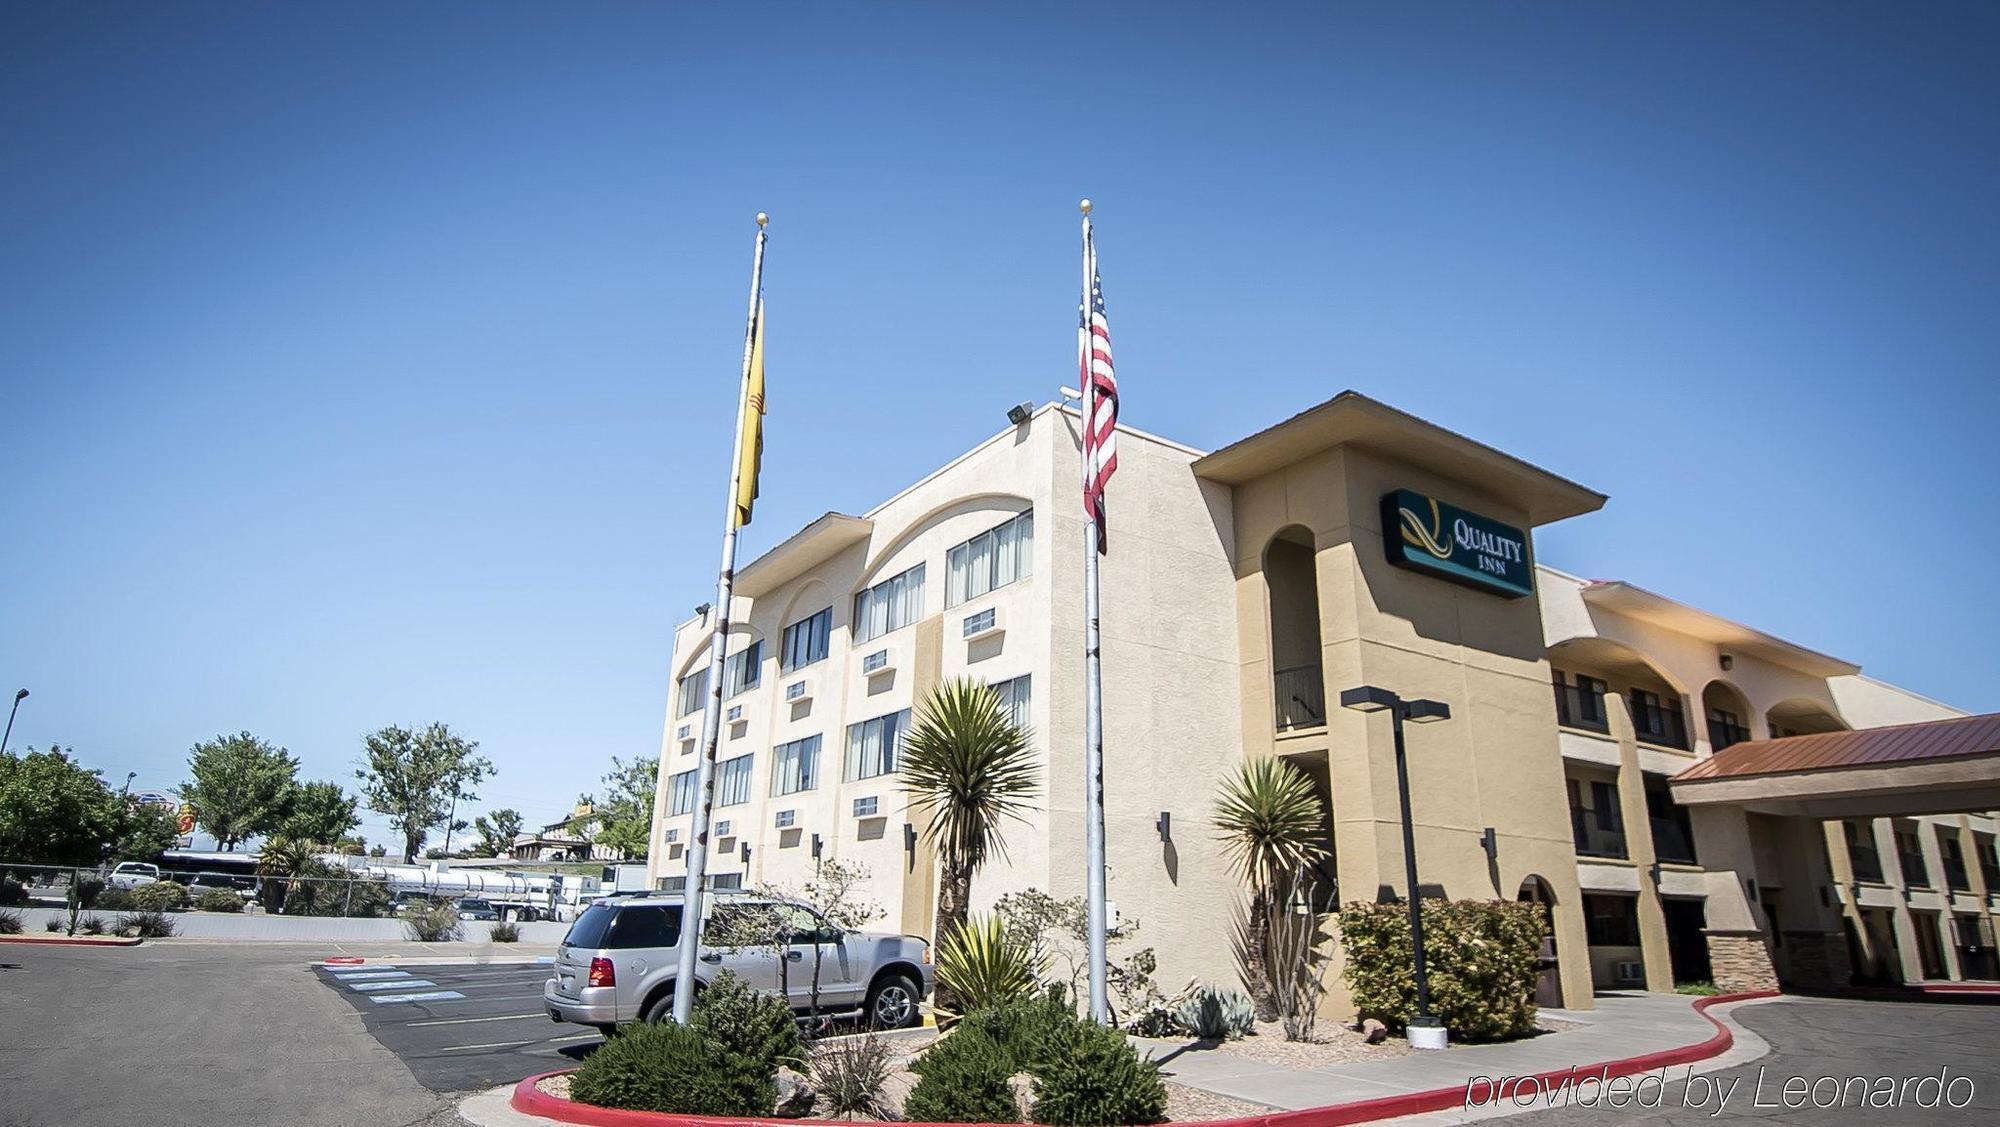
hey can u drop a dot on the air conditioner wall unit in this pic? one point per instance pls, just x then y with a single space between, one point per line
1629 970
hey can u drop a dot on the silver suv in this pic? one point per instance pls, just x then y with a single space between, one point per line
618 963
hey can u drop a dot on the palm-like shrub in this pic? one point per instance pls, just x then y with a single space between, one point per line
981 966
10 922
967 768
1272 823
433 923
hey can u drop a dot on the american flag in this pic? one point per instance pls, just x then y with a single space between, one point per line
1100 389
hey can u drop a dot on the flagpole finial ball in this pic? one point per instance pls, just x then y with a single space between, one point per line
762 219
1084 207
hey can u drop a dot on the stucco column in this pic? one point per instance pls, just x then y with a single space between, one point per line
1653 950
1908 961
1736 926
1927 840
1808 923
1975 872
1835 833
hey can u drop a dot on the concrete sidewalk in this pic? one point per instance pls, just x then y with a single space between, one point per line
1622 1025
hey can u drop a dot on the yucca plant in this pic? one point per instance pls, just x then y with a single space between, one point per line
967 768
982 966
1271 822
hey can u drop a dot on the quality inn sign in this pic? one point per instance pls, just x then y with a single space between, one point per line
1425 534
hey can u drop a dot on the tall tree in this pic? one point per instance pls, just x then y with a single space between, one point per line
496 832
413 778
53 811
625 820
144 832
320 813
240 788
1271 823
967 768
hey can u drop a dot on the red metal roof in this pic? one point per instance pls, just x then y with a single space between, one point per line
1821 751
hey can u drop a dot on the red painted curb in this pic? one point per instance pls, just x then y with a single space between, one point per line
344 961
72 941
531 1100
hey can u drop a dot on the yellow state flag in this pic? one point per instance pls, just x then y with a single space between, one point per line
750 444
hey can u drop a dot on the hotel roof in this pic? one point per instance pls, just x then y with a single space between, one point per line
1958 737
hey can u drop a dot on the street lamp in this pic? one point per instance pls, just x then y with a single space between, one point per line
1425 1031
19 696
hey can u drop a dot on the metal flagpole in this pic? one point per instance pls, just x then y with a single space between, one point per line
711 719
1093 718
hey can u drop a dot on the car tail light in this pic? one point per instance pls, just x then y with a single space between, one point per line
601 973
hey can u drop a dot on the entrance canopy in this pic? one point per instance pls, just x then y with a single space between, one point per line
1936 767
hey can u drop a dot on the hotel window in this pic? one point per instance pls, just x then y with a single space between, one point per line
732 782
805 641
1015 697
743 670
889 605
1611 921
680 793
795 766
872 745
993 558
694 691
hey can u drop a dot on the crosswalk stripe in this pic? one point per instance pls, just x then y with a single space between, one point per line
392 984
433 996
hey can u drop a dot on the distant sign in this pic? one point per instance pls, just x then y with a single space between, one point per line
1424 534
186 824
155 798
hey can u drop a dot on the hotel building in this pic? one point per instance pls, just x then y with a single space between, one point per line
1245 588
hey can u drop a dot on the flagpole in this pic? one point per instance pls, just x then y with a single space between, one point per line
1093 717
711 719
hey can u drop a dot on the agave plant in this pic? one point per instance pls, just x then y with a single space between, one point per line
968 768
1271 823
981 965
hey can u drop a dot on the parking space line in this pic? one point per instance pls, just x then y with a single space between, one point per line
433 996
572 1037
390 984
494 1045
471 1020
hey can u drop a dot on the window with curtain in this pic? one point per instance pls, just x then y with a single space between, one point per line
795 766
680 793
889 605
993 558
694 691
872 745
743 670
805 641
1015 697
732 781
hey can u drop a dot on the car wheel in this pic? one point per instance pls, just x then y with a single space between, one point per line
892 1003
662 1008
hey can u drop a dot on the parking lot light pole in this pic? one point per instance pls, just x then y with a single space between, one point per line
19 696
1425 1031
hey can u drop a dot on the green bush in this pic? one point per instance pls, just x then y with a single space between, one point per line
505 932
108 899
981 965
749 1034
963 1078
159 896
218 900
1217 1013
1481 955
1092 1075
433 923
1024 1028
664 1067
11 892
146 925
10 922
1697 989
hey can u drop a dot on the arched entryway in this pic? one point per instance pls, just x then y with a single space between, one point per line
1298 685
1727 712
1548 985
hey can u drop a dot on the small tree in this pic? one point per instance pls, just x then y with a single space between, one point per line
1481 955
834 895
321 813
625 818
414 778
1272 823
240 786
496 832
53 811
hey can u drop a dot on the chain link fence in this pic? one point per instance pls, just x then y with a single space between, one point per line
355 895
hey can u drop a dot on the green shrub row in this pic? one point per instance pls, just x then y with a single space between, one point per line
1082 1073
1481 956
218 900
723 1062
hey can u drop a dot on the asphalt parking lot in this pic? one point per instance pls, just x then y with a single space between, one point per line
463 1026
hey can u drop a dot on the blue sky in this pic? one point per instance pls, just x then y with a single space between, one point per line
374 364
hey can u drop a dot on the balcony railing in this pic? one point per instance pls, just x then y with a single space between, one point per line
1301 697
1659 725
1577 707
1723 733
1593 838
